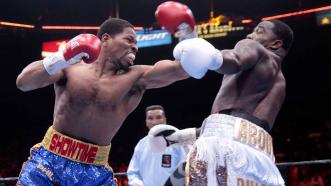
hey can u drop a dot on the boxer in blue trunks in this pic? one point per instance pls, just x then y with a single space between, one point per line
96 87
58 158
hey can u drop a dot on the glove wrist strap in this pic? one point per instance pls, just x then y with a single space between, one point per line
188 137
218 57
185 31
55 63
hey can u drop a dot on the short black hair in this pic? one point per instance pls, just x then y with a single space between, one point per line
113 26
154 107
284 32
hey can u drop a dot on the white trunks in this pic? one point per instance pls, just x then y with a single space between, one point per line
232 151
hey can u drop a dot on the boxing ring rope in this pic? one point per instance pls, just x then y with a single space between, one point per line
302 163
8 179
118 174
279 165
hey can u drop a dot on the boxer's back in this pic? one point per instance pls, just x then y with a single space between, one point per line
256 90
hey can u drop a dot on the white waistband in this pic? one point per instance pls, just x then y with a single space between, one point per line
238 129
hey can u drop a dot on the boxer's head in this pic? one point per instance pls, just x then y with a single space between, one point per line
155 115
273 35
118 42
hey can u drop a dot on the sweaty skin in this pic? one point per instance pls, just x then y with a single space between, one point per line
93 100
253 80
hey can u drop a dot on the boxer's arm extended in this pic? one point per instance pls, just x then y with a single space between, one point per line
243 56
197 56
162 73
185 136
172 135
173 16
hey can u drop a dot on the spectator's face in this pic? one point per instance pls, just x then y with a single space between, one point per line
155 117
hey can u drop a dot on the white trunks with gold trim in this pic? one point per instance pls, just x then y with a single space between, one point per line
229 150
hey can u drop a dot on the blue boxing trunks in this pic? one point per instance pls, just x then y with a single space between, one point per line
62 160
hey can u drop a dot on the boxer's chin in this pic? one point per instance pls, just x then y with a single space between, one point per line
124 65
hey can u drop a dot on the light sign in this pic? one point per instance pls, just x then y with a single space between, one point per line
51 47
323 18
212 30
144 39
153 38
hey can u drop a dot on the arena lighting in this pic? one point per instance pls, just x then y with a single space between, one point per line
16 24
245 21
70 27
141 28
77 28
297 13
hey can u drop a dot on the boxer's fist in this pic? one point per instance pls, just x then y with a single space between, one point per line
196 56
175 16
184 136
83 43
162 130
157 137
84 47
169 135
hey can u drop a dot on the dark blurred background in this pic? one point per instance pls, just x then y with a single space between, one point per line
301 132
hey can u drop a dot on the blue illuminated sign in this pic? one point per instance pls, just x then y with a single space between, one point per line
153 38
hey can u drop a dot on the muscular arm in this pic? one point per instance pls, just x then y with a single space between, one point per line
35 76
245 54
162 74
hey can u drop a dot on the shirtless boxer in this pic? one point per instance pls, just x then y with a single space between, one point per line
96 87
234 147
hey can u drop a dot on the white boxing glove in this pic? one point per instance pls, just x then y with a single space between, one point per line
156 137
183 137
197 56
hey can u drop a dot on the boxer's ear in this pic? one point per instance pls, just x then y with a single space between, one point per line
105 37
275 45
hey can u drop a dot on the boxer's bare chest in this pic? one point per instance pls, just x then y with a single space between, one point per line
105 92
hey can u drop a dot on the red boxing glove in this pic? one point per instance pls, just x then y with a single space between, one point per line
87 43
84 47
171 14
